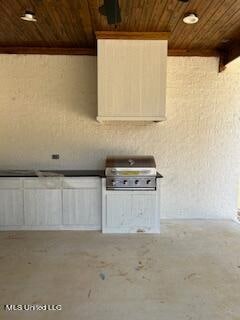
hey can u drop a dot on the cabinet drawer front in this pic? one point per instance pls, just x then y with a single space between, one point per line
43 183
10 183
81 183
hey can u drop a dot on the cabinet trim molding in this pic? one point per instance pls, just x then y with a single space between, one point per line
121 35
154 119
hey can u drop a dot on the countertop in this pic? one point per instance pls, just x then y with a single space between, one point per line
53 173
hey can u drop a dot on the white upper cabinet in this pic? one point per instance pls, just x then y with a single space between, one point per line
132 79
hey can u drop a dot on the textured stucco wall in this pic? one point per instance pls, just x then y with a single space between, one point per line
48 105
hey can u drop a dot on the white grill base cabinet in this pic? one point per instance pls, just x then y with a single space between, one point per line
130 211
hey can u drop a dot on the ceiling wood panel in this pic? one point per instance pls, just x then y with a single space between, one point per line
229 23
180 31
72 24
202 26
210 14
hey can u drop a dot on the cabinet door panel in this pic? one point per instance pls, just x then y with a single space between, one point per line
119 210
42 207
11 207
82 207
143 210
130 211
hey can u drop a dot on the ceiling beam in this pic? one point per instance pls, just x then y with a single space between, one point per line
93 51
193 53
229 54
48 51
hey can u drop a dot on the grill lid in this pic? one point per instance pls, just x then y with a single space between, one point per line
130 162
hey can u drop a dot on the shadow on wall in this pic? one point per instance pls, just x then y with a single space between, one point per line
83 80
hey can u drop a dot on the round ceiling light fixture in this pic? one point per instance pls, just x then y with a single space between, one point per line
190 18
29 16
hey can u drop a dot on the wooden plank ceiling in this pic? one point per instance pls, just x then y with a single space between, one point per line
71 24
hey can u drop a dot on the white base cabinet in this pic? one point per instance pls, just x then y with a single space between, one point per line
50 203
130 211
80 203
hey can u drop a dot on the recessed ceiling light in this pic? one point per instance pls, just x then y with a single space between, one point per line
29 16
190 18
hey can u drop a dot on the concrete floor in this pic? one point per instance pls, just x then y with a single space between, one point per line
190 271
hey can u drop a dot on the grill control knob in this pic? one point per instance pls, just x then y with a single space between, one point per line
148 181
113 182
125 182
136 181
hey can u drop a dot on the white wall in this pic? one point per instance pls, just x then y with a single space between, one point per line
48 105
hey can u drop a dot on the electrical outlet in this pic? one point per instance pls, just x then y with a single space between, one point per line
55 156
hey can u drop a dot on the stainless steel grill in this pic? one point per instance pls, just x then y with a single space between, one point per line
130 173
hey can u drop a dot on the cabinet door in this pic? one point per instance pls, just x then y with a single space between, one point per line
11 207
82 202
143 210
119 210
42 207
11 202
132 78
131 212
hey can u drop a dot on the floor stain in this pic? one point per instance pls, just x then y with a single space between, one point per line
122 274
102 275
89 293
41 251
190 276
145 252
140 266
13 237
103 264
85 253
